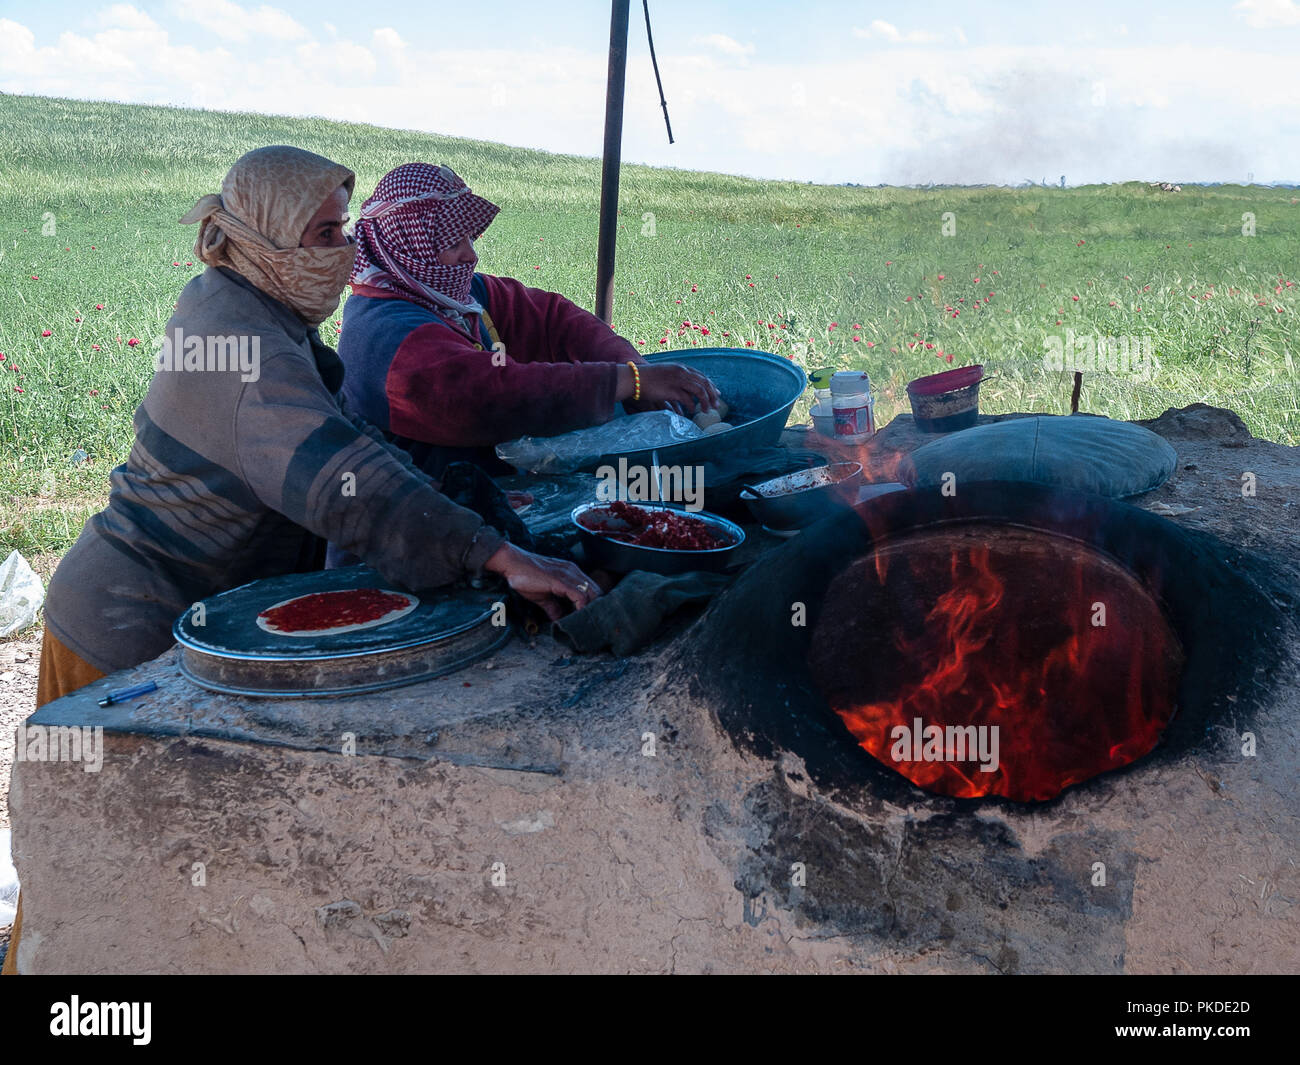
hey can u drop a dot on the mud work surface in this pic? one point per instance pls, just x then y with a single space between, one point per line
683 810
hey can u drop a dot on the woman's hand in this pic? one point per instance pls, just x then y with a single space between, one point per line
548 582
671 384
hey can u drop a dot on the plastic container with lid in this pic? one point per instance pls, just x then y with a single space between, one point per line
823 415
852 406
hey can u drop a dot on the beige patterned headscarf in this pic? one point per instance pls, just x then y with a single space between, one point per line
255 224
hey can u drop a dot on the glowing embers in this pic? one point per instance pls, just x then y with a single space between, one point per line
984 659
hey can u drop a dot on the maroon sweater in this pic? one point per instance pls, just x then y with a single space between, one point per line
426 382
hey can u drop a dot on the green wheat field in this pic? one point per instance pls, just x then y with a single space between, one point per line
92 259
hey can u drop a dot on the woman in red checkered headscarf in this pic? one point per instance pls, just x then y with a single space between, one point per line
450 362
417 212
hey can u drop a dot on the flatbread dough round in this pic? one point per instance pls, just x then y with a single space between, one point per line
397 612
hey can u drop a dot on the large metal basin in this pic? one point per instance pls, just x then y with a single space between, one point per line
761 389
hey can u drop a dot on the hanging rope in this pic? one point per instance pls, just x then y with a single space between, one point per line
650 37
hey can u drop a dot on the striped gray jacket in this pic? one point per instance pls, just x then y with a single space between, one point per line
246 460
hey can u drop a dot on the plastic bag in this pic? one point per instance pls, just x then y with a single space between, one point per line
582 447
21 594
8 882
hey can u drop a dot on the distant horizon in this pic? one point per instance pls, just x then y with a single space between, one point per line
1281 184
1195 92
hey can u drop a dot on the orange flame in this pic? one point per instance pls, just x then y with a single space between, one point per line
1012 646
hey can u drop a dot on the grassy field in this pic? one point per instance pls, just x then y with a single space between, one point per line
93 259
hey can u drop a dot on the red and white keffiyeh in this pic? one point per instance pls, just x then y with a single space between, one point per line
417 211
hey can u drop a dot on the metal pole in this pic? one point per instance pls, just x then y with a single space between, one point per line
612 159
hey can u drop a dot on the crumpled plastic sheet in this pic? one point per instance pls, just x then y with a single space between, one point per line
582 447
21 594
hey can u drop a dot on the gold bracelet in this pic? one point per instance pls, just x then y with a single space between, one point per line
636 378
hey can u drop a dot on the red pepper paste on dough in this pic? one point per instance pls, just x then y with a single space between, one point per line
328 610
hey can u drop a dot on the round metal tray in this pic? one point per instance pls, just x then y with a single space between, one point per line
223 648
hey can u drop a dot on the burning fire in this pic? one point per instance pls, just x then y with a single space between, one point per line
1040 664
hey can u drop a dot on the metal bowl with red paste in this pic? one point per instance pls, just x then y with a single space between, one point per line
665 529
333 610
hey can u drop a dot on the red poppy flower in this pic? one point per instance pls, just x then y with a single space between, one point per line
132 342
35 278
99 306
941 277
46 333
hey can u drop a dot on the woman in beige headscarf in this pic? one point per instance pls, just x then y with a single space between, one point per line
237 464
242 444
236 469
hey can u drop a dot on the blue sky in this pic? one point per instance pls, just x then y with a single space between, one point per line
822 91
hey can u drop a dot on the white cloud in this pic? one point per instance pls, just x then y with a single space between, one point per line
1266 14
887 31
126 17
720 42
231 22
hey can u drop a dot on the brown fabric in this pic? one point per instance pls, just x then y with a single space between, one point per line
255 225
61 673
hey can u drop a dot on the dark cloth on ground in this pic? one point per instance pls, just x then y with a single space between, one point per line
629 616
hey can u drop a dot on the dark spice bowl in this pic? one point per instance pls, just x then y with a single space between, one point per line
799 499
619 557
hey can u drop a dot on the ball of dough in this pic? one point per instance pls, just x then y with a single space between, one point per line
723 408
716 428
707 418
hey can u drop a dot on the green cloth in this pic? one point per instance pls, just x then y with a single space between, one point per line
627 617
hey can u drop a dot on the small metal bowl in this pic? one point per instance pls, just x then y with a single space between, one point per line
799 499
619 557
